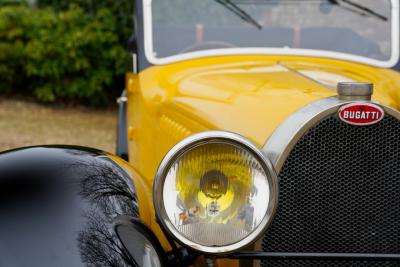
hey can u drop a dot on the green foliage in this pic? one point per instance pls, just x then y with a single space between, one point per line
12 44
61 54
12 2
122 11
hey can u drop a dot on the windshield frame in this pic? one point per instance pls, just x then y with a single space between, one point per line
284 51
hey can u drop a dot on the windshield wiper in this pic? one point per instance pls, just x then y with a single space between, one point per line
362 10
239 12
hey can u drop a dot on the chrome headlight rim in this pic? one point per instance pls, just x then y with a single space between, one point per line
210 137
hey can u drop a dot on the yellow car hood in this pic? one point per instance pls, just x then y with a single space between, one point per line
252 96
249 95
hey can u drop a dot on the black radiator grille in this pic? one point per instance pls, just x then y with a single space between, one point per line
340 193
330 263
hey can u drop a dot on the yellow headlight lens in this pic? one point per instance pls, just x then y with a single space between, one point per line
215 179
216 193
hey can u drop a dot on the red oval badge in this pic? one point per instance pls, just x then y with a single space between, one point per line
361 114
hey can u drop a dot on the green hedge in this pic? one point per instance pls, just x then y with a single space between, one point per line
122 11
62 54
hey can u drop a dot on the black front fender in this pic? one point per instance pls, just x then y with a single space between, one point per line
58 206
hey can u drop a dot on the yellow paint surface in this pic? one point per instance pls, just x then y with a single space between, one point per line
249 95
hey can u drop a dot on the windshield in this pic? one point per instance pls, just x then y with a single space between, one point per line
360 28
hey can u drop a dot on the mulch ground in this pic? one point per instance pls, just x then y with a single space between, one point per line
23 123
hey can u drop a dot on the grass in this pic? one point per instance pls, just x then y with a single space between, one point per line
24 123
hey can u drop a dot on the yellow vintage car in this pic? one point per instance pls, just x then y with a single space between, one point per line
258 133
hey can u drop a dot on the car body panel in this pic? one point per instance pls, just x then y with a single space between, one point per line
144 198
249 95
58 205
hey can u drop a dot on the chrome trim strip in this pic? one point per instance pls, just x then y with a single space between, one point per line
285 137
307 77
216 137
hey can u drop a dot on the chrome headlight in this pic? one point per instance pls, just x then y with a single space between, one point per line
215 192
